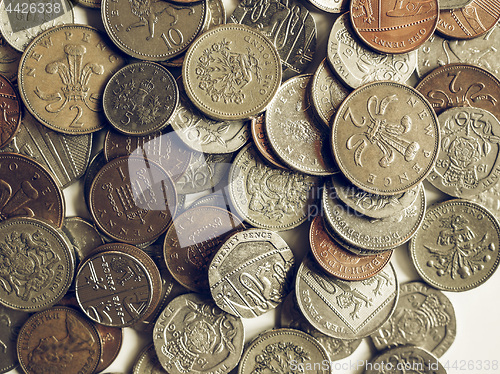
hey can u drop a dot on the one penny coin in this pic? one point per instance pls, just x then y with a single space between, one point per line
10 111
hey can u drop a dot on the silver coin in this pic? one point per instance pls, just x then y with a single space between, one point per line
147 362
192 335
343 309
468 161
66 156
11 322
261 279
217 199
356 65
453 4
83 236
490 199
457 247
292 317
270 198
424 317
293 132
480 51
412 359
291 350
331 6
372 233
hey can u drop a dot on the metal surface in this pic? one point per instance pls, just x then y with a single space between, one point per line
10 111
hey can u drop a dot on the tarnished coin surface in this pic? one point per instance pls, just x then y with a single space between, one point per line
424 317
469 156
288 24
293 132
147 362
140 98
356 64
61 333
405 357
231 72
385 138
62 75
394 26
331 6
457 247
339 262
83 236
66 156
261 279
12 321
290 349
342 309
192 335
111 342
9 60
96 163
10 111
154 31
261 141
267 197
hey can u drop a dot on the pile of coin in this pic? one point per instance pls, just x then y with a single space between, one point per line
196 141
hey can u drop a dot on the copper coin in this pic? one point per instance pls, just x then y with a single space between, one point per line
111 342
192 241
132 200
259 136
339 262
28 189
166 149
455 85
58 340
468 22
394 26
10 111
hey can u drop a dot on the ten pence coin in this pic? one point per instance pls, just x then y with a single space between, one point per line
10 111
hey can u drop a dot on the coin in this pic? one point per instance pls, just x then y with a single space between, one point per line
140 98
405 357
461 85
385 138
9 60
261 141
289 26
290 349
147 362
62 75
231 88
10 111
260 280
453 4
11 322
192 241
331 6
96 163
193 335
111 342
83 236
154 31
269 198
217 199
90 3
394 26
357 65
457 247
424 317
337 261
342 309
132 200
294 134
490 199
470 21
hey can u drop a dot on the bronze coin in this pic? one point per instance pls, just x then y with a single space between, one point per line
471 21
261 141
166 149
28 189
10 111
455 85
338 261
394 26
58 340
111 342
192 241
132 200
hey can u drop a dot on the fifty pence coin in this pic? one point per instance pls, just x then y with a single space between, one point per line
424 317
342 309
10 111
261 280
192 335
11 322
385 138
231 72
457 247
261 141
9 60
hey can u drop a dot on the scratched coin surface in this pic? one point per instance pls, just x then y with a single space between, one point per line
298 139
58 340
457 247
192 335
469 156
406 357
289 26
267 197
424 317
9 60
12 321
356 64
10 111
385 138
261 279
343 309
154 31
62 76
231 72
261 141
